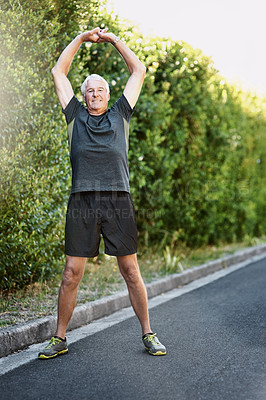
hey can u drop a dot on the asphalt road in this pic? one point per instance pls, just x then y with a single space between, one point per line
215 337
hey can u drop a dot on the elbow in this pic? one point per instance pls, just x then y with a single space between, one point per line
141 70
54 71
57 71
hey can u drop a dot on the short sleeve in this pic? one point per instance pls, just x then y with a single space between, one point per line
123 107
73 108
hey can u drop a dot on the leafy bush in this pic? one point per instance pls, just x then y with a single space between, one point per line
197 149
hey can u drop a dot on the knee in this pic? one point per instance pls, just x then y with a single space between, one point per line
131 273
71 276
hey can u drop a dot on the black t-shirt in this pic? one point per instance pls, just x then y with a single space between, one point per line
98 146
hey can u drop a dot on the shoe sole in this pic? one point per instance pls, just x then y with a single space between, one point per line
44 357
158 353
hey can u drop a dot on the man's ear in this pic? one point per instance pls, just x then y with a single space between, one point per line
84 98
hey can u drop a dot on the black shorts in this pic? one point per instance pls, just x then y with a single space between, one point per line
92 214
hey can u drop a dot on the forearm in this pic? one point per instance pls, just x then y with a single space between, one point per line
64 62
137 73
133 63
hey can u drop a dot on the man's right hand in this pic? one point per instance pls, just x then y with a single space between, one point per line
92 36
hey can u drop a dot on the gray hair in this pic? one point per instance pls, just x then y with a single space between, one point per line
96 78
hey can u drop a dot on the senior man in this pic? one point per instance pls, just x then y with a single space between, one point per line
100 202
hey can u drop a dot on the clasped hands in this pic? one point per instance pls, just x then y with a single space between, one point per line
98 35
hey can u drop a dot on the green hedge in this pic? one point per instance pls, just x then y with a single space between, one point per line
197 150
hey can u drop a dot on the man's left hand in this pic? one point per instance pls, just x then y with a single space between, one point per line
105 36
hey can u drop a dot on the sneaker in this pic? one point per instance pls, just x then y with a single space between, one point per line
55 347
153 345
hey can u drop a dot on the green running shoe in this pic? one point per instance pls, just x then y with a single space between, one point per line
54 348
153 345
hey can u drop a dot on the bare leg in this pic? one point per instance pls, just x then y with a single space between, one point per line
129 269
73 273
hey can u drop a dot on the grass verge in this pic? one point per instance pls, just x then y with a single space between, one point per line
102 278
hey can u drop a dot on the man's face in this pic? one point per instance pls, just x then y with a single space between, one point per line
96 97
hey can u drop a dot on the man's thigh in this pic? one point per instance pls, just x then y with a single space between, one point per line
82 229
119 227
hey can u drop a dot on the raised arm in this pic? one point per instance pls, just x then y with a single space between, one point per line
60 70
136 68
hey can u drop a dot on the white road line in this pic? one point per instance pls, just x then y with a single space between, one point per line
16 360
